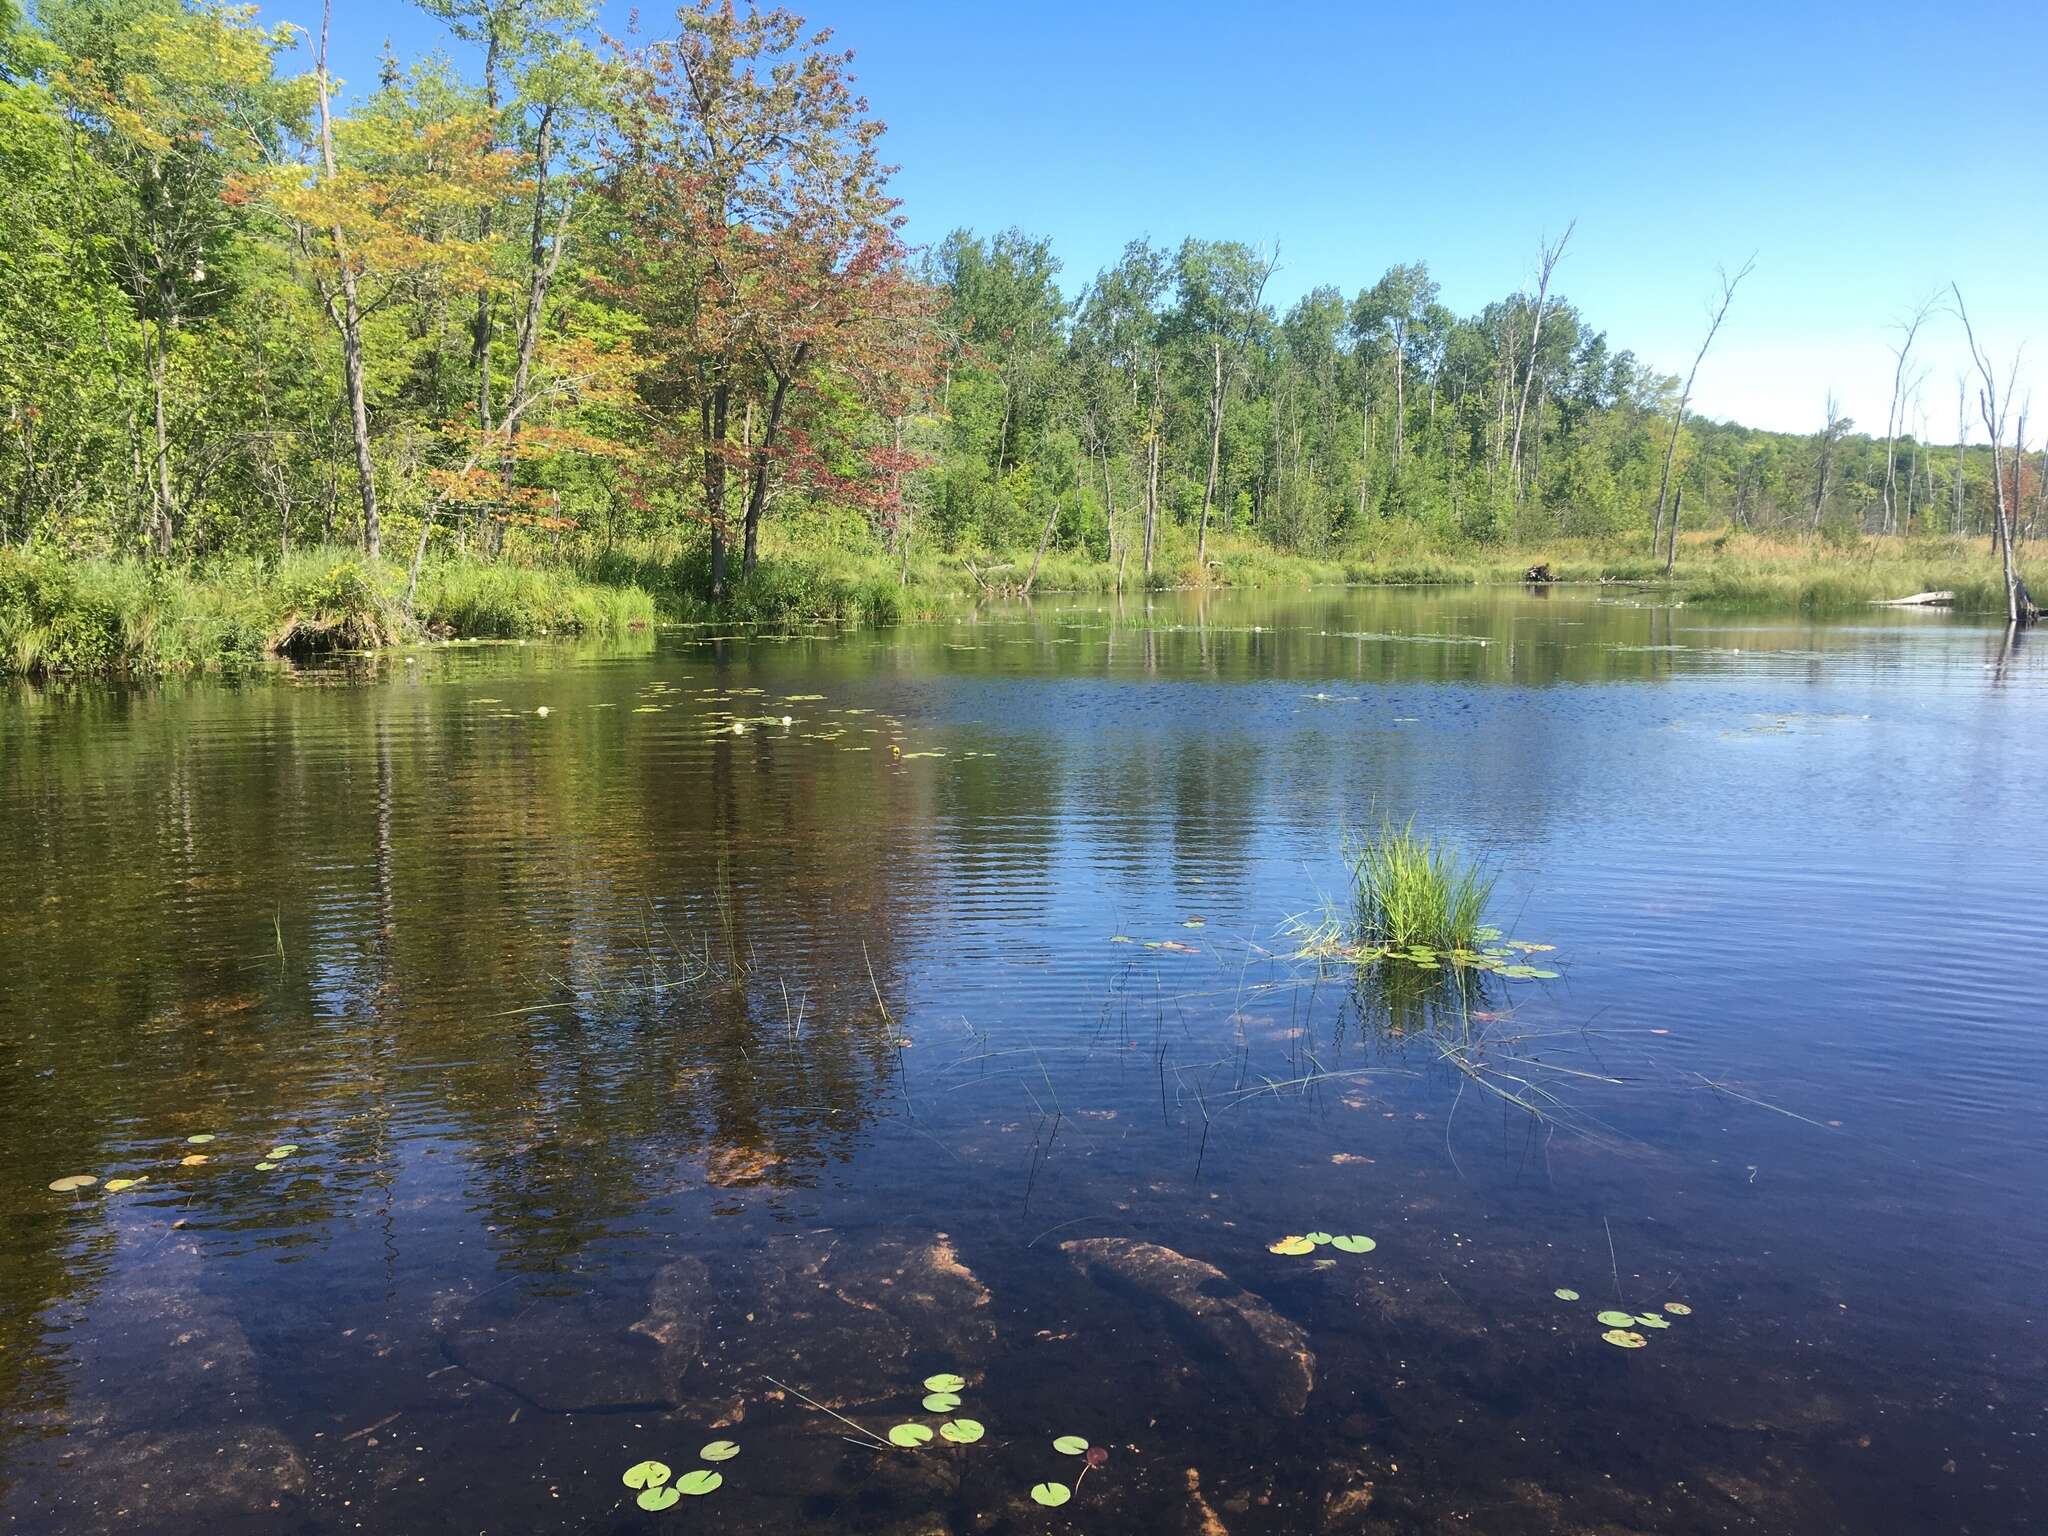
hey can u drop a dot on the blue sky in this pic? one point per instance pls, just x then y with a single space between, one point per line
1867 154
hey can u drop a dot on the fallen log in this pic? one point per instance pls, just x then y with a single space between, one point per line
1917 600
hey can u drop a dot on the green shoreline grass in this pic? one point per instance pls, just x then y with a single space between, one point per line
84 617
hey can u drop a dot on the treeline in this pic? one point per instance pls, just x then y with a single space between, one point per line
565 294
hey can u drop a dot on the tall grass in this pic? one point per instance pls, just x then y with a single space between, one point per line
1414 893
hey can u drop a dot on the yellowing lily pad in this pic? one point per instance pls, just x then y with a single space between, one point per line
646 1474
1051 1495
908 1435
71 1181
1678 1309
719 1450
1071 1445
961 1431
1614 1319
1292 1245
115 1186
1623 1338
192 1161
1353 1243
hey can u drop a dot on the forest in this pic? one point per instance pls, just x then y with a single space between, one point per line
643 312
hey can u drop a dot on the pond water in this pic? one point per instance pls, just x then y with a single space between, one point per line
598 1066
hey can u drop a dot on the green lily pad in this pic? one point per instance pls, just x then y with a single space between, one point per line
200 1140
72 1181
1613 1319
265 1167
658 1498
908 1435
1623 1338
1353 1243
1652 1320
1051 1495
961 1431
1318 1238
941 1402
702 1480
1292 1245
646 1474
1071 1445
115 1186
719 1450
945 1381
1564 1294
284 1151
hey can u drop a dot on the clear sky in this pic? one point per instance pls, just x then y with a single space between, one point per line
1866 153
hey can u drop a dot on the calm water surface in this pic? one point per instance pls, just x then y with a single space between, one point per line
633 1078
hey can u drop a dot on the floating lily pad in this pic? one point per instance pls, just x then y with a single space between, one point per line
201 1139
1622 1338
1051 1495
265 1167
1564 1294
646 1474
1318 1238
115 1186
702 1480
193 1160
1071 1445
719 1450
941 1402
961 1431
1675 1308
284 1151
72 1181
1292 1245
909 1434
1652 1320
1613 1319
1353 1243
658 1498
945 1381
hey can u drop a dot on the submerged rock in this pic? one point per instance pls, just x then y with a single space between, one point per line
560 1354
1271 1353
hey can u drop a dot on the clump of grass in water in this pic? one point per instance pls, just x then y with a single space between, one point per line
1414 893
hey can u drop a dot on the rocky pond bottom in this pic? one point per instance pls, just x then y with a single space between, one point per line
935 1115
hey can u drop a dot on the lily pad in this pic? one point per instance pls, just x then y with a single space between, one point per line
1675 1308
945 1381
1563 1293
265 1167
941 1402
1292 1245
1613 1319
908 1435
1353 1243
1071 1445
1051 1495
1318 1238
115 1186
284 1151
646 1474
72 1181
192 1160
201 1139
1652 1320
719 1450
1623 1338
702 1480
658 1498
961 1431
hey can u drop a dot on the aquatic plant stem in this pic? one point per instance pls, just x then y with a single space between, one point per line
1613 1262
869 1435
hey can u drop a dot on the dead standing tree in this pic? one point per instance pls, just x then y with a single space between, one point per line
1895 419
1728 287
1993 407
1548 264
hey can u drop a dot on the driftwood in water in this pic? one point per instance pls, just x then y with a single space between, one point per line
1917 600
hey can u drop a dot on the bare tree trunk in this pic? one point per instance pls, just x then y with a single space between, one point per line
1962 432
1895 418
1551 253
757 497
1108 500
1215 452
1671 549
1728 287
1052 517
1364 458
2019 606
349 318
1157 423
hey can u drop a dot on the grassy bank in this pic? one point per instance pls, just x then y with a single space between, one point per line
87 616
84 616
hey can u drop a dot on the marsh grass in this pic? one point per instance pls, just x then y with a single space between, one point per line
1413 893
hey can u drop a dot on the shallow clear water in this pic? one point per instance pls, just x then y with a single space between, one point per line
631 1061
